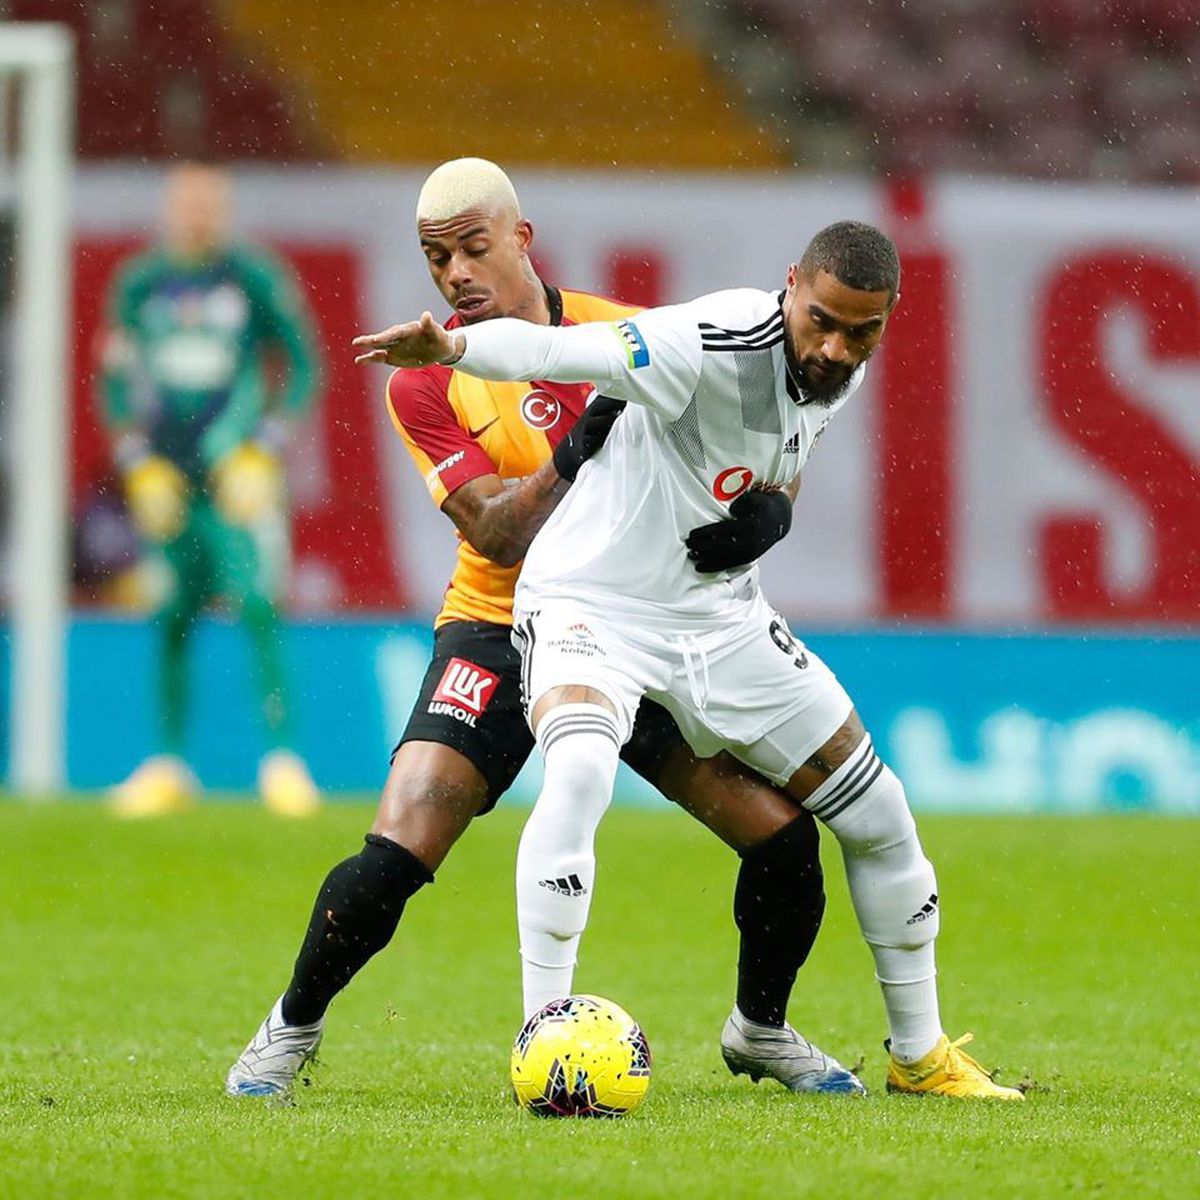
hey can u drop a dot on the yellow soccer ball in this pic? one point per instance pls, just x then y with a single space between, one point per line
581 1057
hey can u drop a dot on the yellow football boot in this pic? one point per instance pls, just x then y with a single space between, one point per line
286 787
160 786
947 1070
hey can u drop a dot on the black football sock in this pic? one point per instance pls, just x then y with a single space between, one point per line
778 905
356 913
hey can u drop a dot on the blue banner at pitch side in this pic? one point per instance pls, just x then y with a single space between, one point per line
971 722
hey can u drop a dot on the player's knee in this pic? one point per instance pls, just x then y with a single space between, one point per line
580 744
555 859
578 776
878 821
892 883
562 825
427 817
794 851
785 867
432 794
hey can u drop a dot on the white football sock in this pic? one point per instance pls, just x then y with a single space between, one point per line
912 1010
894 891
556 863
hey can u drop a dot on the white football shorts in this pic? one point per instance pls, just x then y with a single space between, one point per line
748 687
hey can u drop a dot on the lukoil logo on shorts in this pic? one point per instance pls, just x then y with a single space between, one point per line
731 483
464 691
540 410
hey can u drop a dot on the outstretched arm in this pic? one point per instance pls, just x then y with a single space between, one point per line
501 349
653 361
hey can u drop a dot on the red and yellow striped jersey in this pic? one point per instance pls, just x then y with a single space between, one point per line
458 429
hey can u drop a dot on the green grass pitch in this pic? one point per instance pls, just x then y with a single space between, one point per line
135 961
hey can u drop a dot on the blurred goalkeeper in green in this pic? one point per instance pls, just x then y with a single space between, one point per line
198 330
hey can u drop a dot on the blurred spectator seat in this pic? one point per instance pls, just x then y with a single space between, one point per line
161 78
1048 88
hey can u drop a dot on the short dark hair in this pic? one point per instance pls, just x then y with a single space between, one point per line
856 254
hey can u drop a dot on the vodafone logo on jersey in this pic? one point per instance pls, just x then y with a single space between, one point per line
464 692
731 483
540 410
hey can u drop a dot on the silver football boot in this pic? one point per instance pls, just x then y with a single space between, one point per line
757 1050
270 1063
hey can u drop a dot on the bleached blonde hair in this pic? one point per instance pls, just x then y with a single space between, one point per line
463 184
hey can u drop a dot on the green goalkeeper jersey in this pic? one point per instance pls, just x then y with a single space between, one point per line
186 368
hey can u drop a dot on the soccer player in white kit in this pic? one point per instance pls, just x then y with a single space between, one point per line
727 394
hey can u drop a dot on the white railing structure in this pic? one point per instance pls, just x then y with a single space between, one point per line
41 60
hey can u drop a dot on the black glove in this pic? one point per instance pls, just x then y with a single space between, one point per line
756 521
586 436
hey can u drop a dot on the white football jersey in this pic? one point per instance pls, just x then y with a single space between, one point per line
713 411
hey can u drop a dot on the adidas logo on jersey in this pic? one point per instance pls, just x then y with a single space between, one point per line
792 445
571 886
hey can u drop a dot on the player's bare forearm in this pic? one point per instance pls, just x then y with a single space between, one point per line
500 517
504 348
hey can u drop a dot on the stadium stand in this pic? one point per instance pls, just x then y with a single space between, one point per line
1101 89
1071 89
597 83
